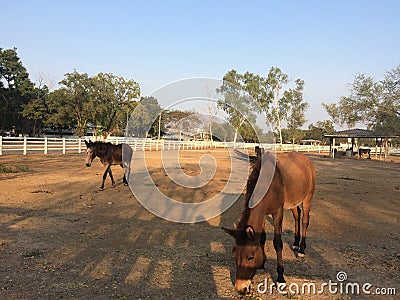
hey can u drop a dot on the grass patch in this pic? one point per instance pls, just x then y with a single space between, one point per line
15 169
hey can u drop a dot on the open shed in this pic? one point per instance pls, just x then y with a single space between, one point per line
354 135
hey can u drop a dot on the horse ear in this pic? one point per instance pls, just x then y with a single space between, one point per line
250 232
231 232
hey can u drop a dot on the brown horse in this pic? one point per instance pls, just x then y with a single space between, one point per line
110 154
290 183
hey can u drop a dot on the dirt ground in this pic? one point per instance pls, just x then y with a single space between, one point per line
62 238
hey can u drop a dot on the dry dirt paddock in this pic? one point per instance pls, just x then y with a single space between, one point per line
62 238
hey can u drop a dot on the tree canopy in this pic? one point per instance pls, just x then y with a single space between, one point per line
374 103
245 94
16 90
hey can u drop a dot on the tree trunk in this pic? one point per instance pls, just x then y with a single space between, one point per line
278 117
235 137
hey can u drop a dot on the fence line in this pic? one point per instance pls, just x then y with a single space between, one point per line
46 145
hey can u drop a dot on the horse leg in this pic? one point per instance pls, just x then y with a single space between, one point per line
305 222
128 171
296 215
104 176
111 176
278 244
125 172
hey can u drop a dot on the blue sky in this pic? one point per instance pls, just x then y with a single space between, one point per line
326 43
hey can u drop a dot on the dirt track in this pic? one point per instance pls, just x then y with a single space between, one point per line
61 238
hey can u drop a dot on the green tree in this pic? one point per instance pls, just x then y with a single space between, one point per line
37 108
223 131
296 107
317 131
251 93
145 117
276 80
237 102
71 105
375 103
112 99
292 136
16 90
104 100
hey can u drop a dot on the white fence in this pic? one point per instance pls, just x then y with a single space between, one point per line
25 145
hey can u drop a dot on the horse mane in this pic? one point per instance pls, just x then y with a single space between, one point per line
251 185
252 182
102 145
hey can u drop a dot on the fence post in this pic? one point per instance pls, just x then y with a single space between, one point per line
25 146
63 143
45 145
1 145
79 145
135 145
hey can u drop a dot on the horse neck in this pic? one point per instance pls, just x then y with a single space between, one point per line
253 217
101 152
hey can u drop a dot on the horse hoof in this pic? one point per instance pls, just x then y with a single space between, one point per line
101 189
281 281
295 248
300 254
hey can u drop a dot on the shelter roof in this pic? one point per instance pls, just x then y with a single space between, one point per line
358 133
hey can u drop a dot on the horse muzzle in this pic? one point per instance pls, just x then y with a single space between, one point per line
243 286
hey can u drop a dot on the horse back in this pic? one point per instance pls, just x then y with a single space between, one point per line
298 177
121 153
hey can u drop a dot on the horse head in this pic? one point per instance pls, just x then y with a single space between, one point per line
90 153
249 256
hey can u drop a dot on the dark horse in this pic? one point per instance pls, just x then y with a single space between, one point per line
292 183
110 154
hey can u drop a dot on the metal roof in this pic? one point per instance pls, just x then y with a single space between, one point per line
358 133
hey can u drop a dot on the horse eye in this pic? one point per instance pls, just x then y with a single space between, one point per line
250 258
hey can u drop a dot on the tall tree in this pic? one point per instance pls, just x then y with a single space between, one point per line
112 100
37 108
296 108
144 117
236 102
277 80
104 100
16 90
374 103
71 104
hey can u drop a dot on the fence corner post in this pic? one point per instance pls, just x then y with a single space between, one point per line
1 145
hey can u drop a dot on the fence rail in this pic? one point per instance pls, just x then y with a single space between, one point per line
46 145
